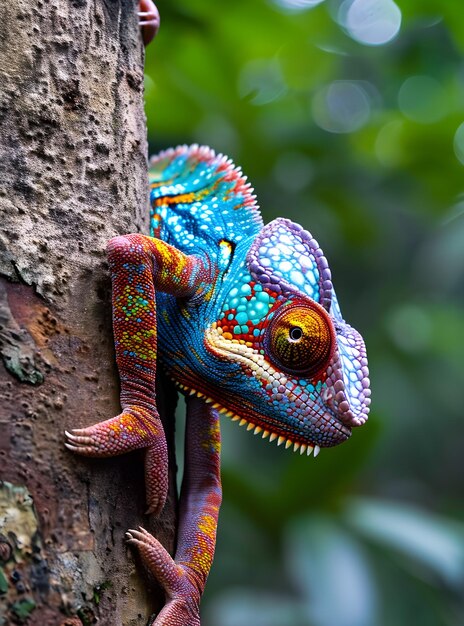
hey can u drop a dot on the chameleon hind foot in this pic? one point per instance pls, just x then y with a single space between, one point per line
133 429
184 577
183 589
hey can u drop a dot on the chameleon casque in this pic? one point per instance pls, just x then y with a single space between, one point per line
245 320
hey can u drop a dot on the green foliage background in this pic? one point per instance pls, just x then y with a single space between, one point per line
372 532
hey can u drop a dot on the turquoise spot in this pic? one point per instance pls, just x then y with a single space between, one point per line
242 307
234 303
262 296
258 287
241 317
245 290
244 329
237 330
256 332
233 292
261 308
230 316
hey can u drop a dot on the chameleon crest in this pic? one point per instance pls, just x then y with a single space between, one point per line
245 320
265 342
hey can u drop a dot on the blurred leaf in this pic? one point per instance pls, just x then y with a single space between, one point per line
433 541
241 607
331 571
384 200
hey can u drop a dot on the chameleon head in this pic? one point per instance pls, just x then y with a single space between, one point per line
287 362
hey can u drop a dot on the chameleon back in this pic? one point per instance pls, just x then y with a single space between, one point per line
198 199
202 205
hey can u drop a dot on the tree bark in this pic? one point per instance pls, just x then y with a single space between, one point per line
73 161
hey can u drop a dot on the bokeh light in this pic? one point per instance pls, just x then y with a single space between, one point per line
409 327
297 5
422 99
341 107
262 81
370 22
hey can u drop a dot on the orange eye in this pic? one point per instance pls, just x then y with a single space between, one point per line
300 339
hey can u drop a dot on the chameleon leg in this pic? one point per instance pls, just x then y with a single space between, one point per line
139 265
185 577
149 20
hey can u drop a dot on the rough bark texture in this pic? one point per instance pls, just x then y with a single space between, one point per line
73 174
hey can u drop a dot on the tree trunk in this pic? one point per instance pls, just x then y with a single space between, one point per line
73 160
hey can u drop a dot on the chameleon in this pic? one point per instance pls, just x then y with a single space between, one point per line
244 318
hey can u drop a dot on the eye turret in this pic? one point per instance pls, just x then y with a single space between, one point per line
300 339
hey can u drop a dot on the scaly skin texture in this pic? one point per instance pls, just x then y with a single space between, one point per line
149 20
245 319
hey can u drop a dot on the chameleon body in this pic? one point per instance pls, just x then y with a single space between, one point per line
245 320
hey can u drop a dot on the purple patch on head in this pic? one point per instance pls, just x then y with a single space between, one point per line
284 254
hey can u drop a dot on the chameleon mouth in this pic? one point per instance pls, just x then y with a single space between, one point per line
302 448
324 429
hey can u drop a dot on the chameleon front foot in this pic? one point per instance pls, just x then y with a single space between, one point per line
183 589
133 429
149 20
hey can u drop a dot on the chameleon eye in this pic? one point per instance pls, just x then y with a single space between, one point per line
300 339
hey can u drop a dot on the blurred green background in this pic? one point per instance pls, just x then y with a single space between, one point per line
348 117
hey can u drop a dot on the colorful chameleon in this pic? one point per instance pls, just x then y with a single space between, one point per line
245 320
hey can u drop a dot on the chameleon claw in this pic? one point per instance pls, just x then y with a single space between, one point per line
140 535
156 507
80 449
74 435
149 20
130 536
74 431
78 439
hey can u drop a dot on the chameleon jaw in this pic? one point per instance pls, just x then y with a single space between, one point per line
299 417
257 430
